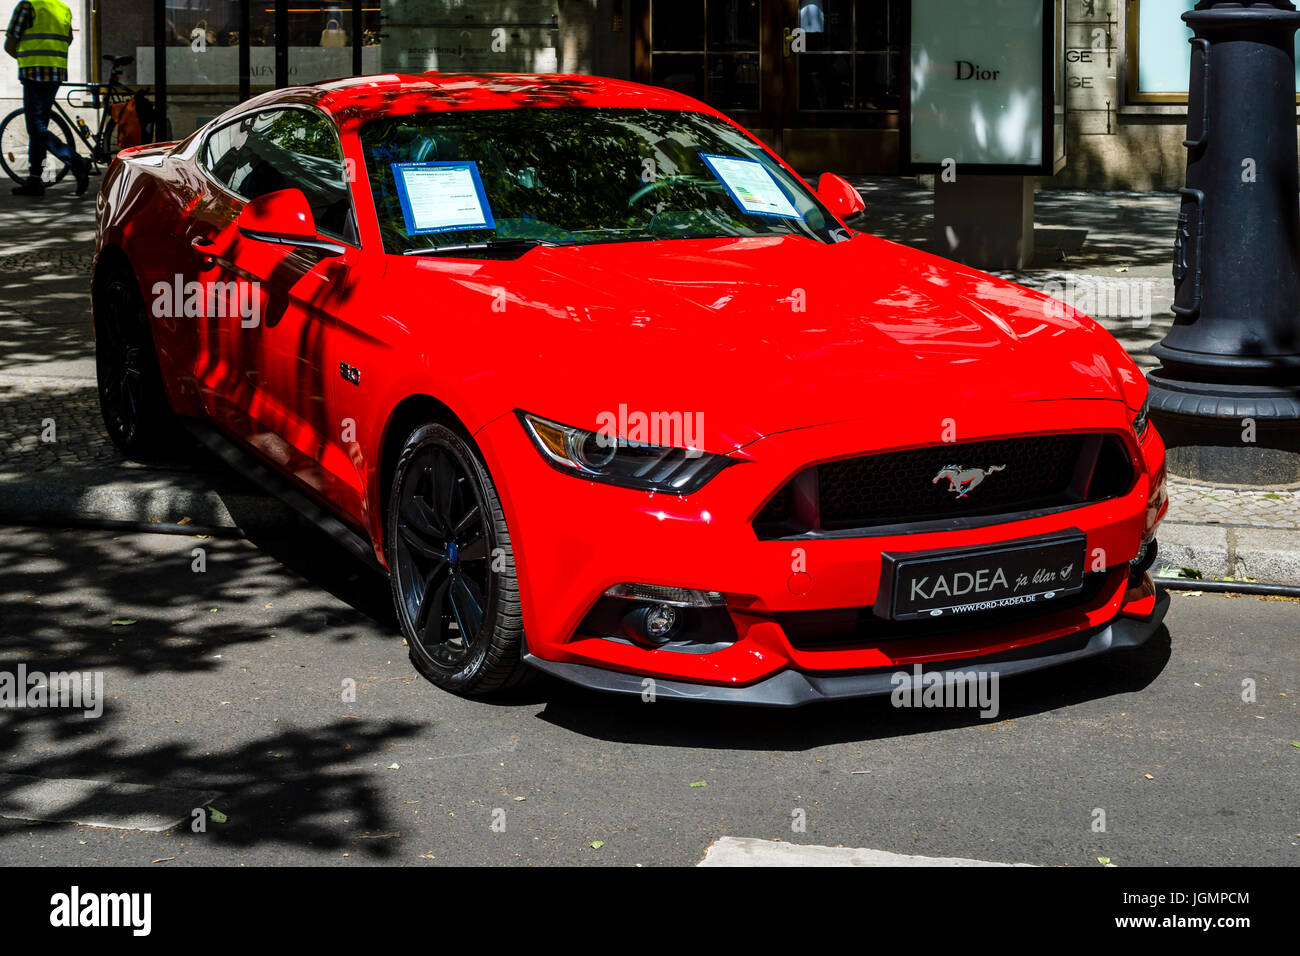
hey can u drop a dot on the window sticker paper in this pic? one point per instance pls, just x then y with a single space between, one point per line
440 196
751 186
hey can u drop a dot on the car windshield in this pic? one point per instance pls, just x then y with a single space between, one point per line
484 179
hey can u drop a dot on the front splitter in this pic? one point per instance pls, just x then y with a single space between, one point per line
792 688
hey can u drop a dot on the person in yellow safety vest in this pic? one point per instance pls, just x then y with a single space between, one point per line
38 37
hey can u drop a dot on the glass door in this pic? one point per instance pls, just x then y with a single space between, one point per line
712 50
842 75
843 62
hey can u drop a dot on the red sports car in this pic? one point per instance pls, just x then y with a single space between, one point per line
610 392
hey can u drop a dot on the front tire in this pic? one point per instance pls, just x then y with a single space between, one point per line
139 420
452 568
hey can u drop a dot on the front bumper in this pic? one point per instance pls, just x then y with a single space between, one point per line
791 688
573 539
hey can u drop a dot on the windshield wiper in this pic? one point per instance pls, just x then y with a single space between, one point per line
494 244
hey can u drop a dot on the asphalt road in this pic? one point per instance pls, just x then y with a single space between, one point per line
230 681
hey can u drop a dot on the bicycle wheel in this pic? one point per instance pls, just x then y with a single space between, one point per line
13 148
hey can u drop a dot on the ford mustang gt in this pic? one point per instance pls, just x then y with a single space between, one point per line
610 392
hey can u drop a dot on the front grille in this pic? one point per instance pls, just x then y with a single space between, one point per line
1033 474
859 626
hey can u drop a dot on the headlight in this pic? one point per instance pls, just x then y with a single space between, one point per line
1143 418
598 457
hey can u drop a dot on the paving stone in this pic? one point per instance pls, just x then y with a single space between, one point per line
50 423
1191 503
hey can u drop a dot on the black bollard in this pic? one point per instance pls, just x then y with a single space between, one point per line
1227 397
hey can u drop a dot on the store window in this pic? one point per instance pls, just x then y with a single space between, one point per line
202 45
470 36
321 38
708 49
201 51
1158 56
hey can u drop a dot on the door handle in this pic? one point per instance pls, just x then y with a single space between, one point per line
202 247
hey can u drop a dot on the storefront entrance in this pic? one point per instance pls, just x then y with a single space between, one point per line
819 79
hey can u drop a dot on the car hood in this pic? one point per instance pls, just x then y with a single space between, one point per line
763 335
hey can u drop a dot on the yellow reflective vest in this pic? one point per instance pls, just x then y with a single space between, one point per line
46 41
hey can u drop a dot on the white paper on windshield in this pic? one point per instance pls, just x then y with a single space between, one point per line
752 186
442 196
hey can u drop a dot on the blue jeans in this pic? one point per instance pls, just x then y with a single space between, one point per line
38 103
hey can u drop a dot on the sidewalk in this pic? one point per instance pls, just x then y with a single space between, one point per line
1085 240
47 380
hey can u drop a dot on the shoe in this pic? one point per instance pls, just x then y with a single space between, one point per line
33 187
81 169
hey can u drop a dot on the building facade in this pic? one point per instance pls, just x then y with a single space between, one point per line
821 80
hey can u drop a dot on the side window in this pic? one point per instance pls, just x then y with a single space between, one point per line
222 151
277 149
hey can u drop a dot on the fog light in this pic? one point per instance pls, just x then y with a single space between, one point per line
659 621
649 624
654 625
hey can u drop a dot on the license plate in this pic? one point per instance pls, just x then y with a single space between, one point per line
970 580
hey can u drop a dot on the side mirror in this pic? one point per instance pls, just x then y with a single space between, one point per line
839 195
283 217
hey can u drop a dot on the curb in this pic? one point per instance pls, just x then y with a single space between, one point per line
1266 555
167 502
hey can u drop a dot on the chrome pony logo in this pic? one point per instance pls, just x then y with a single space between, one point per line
962 481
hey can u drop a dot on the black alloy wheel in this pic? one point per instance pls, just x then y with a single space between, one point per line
452 568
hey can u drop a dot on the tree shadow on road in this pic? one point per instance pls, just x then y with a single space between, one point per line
134 606
306 787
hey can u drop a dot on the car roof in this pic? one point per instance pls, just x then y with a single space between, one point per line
364 97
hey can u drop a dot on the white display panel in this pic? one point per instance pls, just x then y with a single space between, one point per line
982 74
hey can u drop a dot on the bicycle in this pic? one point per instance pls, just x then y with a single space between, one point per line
102 142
